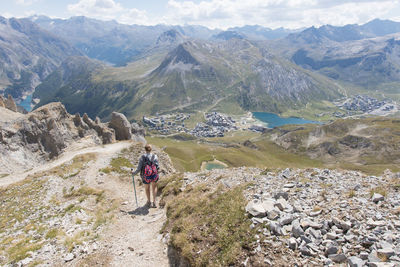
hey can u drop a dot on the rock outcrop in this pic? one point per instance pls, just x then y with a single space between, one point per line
47 131
8 103
123 129
121 126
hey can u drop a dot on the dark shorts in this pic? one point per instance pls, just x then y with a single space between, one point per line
147 180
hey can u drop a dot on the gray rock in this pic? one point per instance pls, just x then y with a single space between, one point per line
283 195
338 258
268 205
377 197
286 173
354 261
69 257
292 243
121 126
315 213
364 255
305 223
275 228
332 249
281 204
331 236
305 251
297 231
287 219
373 256
385 253
289 185
256 209
315 233
273 215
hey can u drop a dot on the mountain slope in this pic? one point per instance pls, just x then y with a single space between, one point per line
360 56
237 75
27 55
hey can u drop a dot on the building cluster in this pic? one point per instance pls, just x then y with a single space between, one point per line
215 125
363 103
167 124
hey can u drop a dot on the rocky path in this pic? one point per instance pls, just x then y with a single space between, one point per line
133 238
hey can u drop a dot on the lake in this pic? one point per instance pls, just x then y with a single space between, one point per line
212 165
274 120
26 103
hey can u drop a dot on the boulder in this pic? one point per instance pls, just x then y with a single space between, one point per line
377 197
121 126
354 261
256 209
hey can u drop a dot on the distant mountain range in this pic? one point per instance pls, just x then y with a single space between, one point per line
192 67
366 55
235 75
28 54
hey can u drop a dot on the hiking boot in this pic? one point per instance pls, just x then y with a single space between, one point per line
153 205
148 204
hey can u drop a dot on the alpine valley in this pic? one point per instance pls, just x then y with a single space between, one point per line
233 189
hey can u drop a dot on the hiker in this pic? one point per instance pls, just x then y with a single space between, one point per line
148 168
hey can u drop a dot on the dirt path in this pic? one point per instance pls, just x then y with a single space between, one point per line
66 156
133 238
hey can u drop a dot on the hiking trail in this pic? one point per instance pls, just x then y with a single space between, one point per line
132 238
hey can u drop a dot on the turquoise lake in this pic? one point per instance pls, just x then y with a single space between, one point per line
274 120
211 166
26 103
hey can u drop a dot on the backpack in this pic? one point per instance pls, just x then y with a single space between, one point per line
150 169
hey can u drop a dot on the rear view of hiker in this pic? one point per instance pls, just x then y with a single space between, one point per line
148 168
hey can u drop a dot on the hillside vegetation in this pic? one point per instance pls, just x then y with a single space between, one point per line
370 144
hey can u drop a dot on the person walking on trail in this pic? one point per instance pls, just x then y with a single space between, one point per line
148 168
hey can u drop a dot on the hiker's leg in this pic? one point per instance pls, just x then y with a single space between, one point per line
154 191
147 189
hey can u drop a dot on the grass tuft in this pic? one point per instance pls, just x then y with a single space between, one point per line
204 240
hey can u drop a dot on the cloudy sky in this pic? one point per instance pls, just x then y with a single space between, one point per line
212 13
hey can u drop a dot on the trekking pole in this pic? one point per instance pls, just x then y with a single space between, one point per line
134 188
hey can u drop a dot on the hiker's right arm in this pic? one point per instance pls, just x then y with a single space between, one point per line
139 167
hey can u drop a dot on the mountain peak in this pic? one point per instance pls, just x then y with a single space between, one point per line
227 35
178 59
182 55
170 37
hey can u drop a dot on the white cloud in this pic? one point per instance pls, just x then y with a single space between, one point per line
108 10
25 2
229 13
276 13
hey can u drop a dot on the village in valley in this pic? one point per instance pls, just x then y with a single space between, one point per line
215 124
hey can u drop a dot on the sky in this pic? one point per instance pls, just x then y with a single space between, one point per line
222 14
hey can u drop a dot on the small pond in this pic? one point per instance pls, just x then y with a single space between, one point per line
213 165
